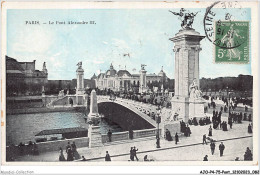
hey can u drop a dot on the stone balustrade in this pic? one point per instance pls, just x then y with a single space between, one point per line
145 133
117 136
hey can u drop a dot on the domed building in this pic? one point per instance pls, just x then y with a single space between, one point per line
111 72
123 80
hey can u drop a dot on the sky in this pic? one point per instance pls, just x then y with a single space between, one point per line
142 33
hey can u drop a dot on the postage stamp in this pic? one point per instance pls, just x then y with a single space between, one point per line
231 42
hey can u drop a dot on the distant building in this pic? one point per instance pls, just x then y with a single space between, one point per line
122 80
23 78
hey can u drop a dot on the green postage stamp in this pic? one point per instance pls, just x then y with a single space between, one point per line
231 42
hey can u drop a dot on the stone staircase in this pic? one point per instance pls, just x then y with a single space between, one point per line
129 141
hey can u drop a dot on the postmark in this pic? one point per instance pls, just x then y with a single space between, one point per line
227 32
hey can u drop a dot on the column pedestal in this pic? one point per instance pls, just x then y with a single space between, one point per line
196 108
172 126
180 105
95 138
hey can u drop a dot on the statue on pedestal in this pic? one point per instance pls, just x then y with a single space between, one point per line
79 65
186 18
195 93
143 66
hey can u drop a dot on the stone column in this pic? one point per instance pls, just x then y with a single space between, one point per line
142 87
94 134
176 72
187 46
80 81
93 109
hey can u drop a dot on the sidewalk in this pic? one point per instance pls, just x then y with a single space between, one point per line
121 151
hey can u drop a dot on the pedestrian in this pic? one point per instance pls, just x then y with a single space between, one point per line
73 148
131 134
69 155
237 159
168 135
205 158
212 147
67 147
221 149
248 156
204 139
61 156
109 134
230 122
250 117
107 158
74 151
246 108
134 153
131 154
210 131
83 158
249 129
189 131
176 138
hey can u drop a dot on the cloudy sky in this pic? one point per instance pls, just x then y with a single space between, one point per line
124 37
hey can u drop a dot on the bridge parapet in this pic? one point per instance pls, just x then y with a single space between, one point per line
145 133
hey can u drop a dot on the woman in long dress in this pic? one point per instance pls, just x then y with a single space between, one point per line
210 131
61 156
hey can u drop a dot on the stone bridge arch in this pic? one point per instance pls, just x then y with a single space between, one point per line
125 116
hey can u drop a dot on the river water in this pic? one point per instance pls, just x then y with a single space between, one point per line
24 127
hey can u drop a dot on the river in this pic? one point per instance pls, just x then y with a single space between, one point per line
23 127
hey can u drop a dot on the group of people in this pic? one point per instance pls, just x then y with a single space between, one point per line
133 155
72 153
12 151
216 119
236 117
223 125
169 137
213 104
32 148
202 121
212 148
185 129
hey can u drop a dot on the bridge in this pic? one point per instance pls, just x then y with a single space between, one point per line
146 111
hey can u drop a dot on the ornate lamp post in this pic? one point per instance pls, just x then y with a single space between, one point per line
158 121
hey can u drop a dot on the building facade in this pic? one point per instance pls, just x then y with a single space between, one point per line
122 80
23 79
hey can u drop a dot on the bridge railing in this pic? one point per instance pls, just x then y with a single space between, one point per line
145 133
117 136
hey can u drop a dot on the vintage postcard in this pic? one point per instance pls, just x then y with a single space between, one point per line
130 83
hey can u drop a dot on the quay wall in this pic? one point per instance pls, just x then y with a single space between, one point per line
14 151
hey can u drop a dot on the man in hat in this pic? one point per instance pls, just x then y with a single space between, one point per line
221 149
